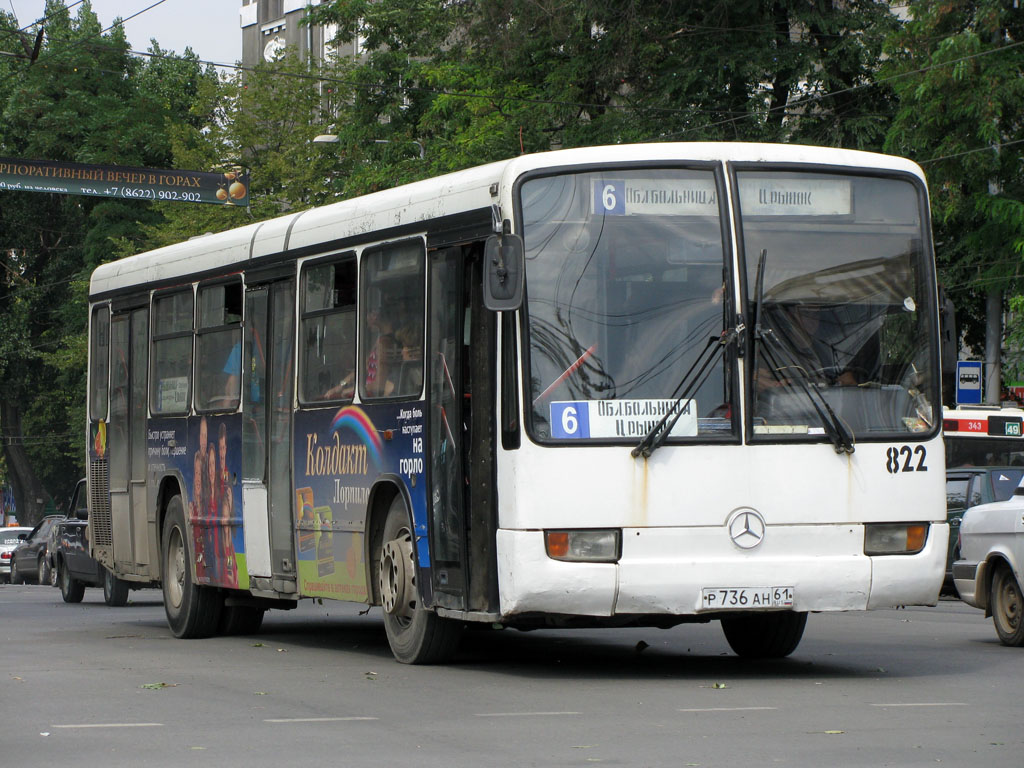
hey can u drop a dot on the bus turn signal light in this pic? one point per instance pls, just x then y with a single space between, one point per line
596 545
894 538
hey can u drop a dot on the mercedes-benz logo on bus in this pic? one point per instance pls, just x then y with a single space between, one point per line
746 528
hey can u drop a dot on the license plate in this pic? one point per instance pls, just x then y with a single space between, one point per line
731 599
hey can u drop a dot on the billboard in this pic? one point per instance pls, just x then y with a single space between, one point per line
220 188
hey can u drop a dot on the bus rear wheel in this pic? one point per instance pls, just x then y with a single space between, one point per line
415 634
192 611
765 635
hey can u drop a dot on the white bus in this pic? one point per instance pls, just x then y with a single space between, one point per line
614 386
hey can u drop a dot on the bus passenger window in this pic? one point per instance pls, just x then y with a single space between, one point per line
99 363
328 332
391 311
172 353
219 347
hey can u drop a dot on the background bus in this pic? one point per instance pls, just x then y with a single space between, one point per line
983 436
718 400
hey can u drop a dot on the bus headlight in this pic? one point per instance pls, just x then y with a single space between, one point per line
584 546
894 538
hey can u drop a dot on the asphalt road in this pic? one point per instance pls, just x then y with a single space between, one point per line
88 685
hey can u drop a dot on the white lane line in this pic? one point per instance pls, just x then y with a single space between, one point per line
110 725
317 719
923 704
730 709
524 714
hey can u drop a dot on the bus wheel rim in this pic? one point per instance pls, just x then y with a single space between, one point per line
396 577
176 566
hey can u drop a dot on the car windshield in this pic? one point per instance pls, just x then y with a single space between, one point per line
625 274
846 304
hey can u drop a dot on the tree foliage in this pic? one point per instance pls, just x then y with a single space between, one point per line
958 72
83 99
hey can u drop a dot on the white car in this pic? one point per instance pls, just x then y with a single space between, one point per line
10 538
989 573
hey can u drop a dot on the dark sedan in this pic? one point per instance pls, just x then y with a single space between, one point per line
28 561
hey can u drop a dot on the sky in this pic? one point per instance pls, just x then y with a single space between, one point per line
209 27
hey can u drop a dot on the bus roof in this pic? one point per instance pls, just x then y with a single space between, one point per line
400 209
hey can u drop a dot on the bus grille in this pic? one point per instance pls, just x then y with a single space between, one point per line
99 503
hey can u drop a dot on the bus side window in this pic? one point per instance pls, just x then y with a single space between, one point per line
99 364
391 311
328 332
172 353
219 347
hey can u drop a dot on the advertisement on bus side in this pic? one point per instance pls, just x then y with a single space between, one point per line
339 454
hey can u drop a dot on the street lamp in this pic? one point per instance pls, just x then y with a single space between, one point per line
330 138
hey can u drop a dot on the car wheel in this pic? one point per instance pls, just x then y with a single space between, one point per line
43 570
54 581
71 589
192 610
1007 604
765 635
115 591
16 577
415 634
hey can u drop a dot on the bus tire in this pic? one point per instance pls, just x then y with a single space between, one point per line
416 635
192 611
1007 604
115 591
765 635
71 589
240 620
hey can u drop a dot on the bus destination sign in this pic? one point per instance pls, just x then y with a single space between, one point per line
220 188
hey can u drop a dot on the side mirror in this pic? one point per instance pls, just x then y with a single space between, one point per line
503 273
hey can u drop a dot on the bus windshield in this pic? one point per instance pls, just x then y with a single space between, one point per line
846 307
625 275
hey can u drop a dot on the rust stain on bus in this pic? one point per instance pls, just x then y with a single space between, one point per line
638 516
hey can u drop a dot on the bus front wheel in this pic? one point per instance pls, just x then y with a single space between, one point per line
416 635
192 611
765 635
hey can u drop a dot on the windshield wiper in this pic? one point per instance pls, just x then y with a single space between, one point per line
837 431
690 383
840 435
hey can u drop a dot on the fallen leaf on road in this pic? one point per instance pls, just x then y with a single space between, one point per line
158 686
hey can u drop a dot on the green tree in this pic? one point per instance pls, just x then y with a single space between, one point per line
487 79
958 71
83 99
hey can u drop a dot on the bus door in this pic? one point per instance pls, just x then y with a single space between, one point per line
126 435
460 434
267 435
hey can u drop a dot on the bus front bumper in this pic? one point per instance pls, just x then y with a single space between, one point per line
668 571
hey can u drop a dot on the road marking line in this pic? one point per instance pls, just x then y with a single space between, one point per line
924 704
523 714
730 709
110 725
316 719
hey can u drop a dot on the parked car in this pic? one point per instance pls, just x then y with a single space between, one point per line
76 568
988 573
10 538
968 487
28 561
